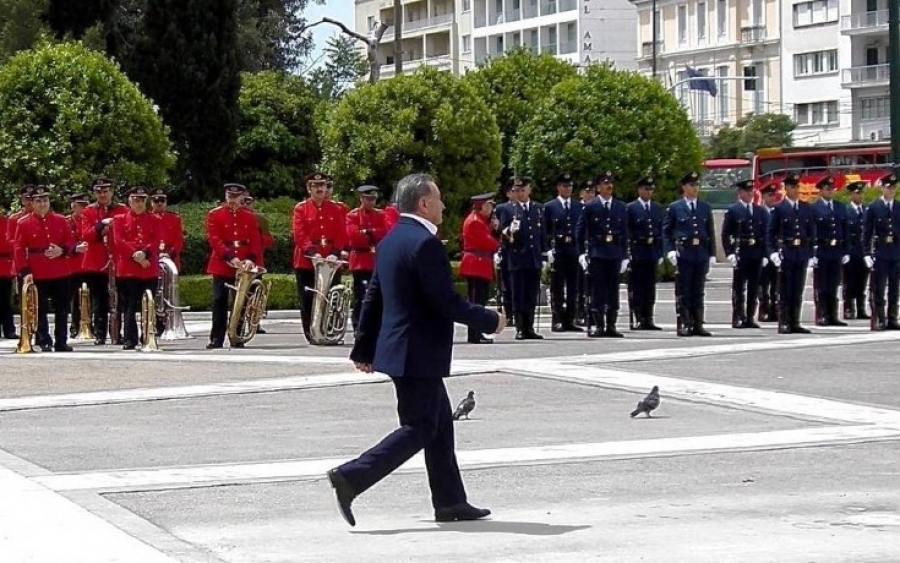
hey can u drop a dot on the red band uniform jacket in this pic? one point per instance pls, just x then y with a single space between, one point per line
34 235
12 226
6 251
479 246
317 230
231 234
76 224
96 258
133 232
365 229
171 236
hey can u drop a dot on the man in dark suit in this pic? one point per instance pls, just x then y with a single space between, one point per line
855 271
689 244
560 217
406 331
881 242
832 252
790 237
645 218
743 239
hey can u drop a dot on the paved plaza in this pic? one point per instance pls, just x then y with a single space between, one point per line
766 448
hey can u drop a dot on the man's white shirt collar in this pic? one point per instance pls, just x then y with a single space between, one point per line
432 228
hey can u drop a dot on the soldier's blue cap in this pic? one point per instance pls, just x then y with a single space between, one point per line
647 182
564 178
588 185
481 198
825 183
79 198
791 180
855 187
234 189
368 190
520 181
690 178
888 180
607 177
137 191
769 188
744 185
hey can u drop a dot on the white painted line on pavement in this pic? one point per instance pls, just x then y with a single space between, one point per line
207 475
38 525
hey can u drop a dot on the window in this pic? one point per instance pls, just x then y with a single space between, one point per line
757 7
815 13
723 93
466 43
682 25
820 62
750 81
875 108
816 113
701 21
722 17
466 5
370 22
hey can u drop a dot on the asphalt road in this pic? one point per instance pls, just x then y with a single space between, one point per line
765 448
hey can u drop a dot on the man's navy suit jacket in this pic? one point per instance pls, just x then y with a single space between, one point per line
406 323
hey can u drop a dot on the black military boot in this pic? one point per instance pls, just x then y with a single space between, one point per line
698 329
569 322
833 308
750 322
528 320
687 324
647 323
849 310
880 319
519 323
821 312
611 332
556 324
785 325
738 316
892 323
795 322
599 326
861 308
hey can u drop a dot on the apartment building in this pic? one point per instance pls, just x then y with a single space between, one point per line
864 76
455 35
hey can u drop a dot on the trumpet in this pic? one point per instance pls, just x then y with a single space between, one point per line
29 313
85 331
148 323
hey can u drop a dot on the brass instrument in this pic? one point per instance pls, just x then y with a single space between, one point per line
115 320
250 297
331 305
85 331
28 322
167 307
148 323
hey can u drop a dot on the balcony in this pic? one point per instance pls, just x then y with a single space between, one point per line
647 49
440 62
415 25
865 23
548 7
548 48
872 130
567 5
753 34
865 76
530 10
513 15
568 47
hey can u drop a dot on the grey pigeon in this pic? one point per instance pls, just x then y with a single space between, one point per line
650 402
466 406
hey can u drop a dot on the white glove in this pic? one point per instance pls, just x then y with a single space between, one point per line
550 257
845 258
813 262
732 259
765 262
712 260
776 259
497 259
672 256
660 261
870 262
624 266
514 226
583 261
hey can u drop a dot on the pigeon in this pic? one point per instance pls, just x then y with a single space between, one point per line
650 402
466 406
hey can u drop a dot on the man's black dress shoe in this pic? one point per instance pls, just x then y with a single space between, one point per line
261 330
481 340
460 512
213 346
62 348
46 347
99 342
344 493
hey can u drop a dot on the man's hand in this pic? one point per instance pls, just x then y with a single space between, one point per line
331 258
28 279
583 260
497 259
363 367
765 262
247 265
624 267
81 248
870 262
672 257
775 258
813 262
55 251
845 258
712 261
732 259
235 263
139 256
514 226
550 257
144 263
501 323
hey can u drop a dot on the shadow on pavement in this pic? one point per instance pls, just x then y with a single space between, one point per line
483 527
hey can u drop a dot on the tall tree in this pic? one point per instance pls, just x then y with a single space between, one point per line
343 68
20 25
75 17
187 62
750 134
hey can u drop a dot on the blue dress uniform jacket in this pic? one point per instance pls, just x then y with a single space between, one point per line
831 230
690 234
525 249
881 231
855 231
602 232
743 233
791 232
560 226
645 230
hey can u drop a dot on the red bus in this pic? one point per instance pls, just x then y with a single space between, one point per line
719 177
865 162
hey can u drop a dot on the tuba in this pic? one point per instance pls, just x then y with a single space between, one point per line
167 307
250 297
85 332
331 305
29 312
148 323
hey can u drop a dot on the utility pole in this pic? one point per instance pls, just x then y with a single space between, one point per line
398 37
894 56
655 24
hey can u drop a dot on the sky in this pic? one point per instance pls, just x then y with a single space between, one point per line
341 10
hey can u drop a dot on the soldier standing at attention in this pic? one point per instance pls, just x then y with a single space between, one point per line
743 239
855 271
832 252
881 242
560 217
645 219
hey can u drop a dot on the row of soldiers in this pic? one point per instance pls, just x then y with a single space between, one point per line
589 242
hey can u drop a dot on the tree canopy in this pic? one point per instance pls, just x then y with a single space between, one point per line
613 120
752 133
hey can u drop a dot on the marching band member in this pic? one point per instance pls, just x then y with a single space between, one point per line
234 240
172 227
391 215
320 229
831 252
790 236
855 270
768 278
479 246
366 226
43 241
77 203
645 218
881 242
97 258
743 239
136 235
689 243
602 238
11 225
7 275
560 217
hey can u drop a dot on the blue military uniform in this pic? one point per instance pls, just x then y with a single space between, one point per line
688 231
602 235
768 278
645 220
502 212
526 245
743 238
560 217
881 242
855 271
791 235
831 251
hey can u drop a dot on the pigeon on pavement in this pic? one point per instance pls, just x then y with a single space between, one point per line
466 406
650 402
